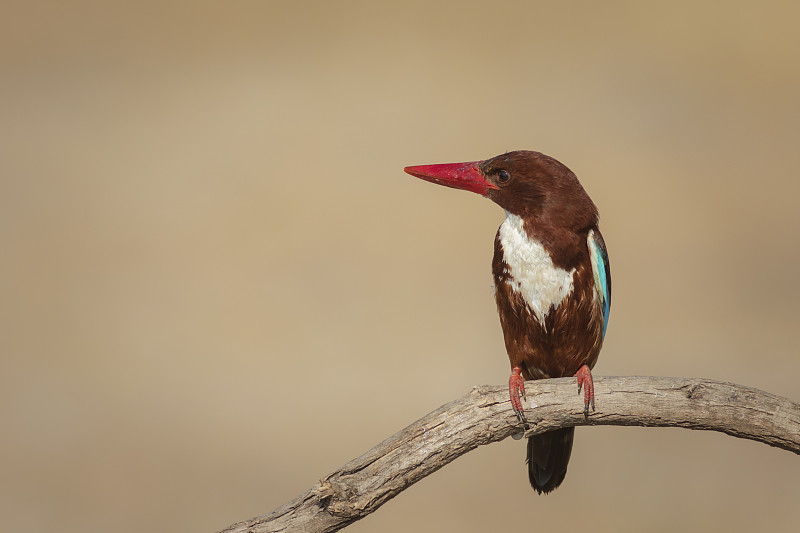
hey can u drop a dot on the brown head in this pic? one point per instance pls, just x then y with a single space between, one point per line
529 184
539 189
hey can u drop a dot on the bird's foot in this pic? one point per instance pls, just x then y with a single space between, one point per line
516 389
584 376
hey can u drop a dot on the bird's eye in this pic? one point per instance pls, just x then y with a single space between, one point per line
503 176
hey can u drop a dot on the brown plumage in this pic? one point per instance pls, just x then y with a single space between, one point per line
552 289
571 335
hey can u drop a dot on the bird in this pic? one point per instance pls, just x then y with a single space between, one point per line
552 282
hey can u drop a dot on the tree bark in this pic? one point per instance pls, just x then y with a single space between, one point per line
484 416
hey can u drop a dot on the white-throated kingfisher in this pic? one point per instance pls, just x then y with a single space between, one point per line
552 282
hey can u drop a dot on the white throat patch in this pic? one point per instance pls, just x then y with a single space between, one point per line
542 285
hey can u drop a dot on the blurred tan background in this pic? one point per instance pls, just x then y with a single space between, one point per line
217 284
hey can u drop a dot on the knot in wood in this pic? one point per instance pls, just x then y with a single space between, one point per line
694 391
340 501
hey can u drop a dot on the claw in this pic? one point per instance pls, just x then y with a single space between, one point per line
516 388
585 381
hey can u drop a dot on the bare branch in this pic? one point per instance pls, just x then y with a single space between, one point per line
484 416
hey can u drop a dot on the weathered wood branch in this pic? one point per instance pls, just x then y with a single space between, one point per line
484 416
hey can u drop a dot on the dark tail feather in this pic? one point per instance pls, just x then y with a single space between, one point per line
548 457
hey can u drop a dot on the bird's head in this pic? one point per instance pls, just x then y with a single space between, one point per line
528 184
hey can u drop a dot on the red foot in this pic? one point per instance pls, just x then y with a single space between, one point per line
584 376
516 388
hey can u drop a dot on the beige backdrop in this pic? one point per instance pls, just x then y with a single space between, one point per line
218 285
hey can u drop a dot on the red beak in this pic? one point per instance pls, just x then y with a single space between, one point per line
465 176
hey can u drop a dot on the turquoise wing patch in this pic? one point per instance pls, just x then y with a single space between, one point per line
602 272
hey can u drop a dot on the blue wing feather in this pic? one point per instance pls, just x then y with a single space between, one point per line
602 272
